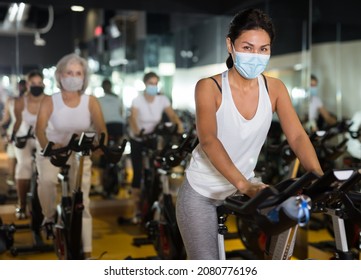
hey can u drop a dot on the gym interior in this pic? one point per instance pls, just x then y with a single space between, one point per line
123 40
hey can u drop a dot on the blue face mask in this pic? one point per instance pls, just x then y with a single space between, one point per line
250 65
313 91
151 89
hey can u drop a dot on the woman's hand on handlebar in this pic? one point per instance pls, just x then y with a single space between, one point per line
252 187
57 146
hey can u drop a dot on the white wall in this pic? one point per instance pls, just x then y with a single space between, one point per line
338 68
184 82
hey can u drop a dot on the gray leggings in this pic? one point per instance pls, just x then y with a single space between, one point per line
198 223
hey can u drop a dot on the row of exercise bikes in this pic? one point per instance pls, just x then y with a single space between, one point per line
67 242
266 224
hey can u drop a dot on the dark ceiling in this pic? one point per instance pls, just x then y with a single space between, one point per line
290 18
288 15
326 11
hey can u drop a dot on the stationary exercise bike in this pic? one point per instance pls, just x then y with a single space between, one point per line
328 193
328 150
34 208
277 211
113 174
334 195
163 229
68 227
154 143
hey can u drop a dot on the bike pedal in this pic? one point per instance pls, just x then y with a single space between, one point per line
20 214
49 230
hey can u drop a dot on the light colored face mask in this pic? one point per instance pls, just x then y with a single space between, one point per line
313 90
151 89
250 65
72 83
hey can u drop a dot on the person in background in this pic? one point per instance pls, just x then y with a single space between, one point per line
112 108
234 111
318 116
60 116
7 122
145 114
26 110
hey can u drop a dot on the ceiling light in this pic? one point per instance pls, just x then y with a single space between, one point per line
77 8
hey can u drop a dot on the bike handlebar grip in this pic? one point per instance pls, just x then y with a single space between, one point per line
101 141
294 186
20 142
351 181
46 151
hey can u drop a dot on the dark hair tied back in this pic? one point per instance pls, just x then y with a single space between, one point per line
249 19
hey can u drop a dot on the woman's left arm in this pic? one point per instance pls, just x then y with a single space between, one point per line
97 117
296 135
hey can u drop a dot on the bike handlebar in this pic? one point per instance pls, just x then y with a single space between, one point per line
172 157
84 144
270 208
318 140
270 196
20 141
332 187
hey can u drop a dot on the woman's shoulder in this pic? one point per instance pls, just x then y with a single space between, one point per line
210 79
209 84
275 85
47 99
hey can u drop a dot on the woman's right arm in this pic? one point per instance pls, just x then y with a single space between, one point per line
45 110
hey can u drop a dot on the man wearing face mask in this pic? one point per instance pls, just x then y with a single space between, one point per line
26 108
146 112
318 116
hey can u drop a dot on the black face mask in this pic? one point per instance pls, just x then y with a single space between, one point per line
36 90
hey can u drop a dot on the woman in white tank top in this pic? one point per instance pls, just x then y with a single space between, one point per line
60 115
25 110
233 116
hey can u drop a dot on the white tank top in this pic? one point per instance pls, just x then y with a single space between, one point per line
149 113
242 139
64 120
28 119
